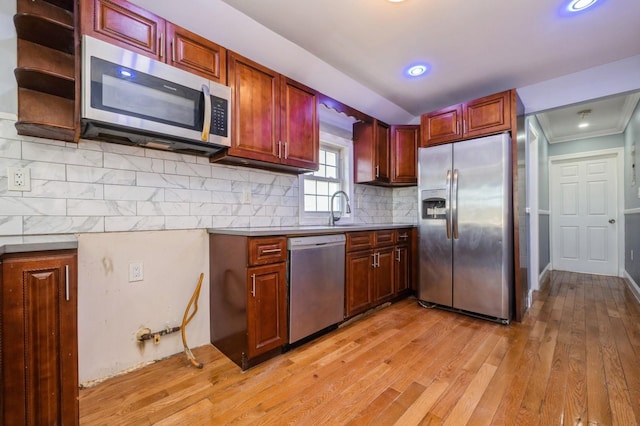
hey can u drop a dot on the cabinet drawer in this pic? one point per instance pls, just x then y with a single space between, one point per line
267 250
403 236
385 237
359 240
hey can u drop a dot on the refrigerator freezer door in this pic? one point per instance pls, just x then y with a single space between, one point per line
433 217
482 245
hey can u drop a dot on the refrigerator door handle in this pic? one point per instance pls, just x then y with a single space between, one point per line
454 204
448 211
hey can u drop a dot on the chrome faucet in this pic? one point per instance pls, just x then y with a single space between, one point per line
333 219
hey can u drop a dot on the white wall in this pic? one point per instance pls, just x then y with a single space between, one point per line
111 309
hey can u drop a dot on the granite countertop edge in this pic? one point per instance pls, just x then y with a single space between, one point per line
306 229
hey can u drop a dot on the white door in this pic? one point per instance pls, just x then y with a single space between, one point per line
584 197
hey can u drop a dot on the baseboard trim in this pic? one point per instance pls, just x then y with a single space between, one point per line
633 286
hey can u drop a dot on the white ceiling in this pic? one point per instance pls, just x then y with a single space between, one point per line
356 50
608 116
474 47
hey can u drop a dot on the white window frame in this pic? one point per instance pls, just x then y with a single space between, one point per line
345 147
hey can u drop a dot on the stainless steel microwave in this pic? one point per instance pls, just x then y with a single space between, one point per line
132 99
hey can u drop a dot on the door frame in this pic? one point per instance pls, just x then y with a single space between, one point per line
532 209
618 154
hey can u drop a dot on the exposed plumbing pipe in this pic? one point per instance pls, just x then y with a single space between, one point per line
186 320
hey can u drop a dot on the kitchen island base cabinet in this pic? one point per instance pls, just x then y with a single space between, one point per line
248 297
38 338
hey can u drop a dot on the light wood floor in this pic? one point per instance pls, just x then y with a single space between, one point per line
574 360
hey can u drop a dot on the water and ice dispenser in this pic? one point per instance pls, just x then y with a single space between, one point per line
434 204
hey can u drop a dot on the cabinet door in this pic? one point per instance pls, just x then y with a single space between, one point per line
371 152
124 24
484 116
383 283
401 269
256 112
404 154
39 340
359 278
441 126
299 131
266 308
190 52
383 152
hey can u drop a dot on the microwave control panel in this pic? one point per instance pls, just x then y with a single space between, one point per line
219 114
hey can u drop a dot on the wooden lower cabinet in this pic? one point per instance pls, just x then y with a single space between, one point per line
378 268
266 308
248 297
402 269
38 338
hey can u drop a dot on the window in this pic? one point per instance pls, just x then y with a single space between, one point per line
334 174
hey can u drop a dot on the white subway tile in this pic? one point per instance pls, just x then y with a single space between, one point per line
168 155
10 148
101 208
23 206
148 208
60 154
188 222
10 225
133 223
100 175
210 184
130 162
57 189
162 180
187 169
62 225
133 193
187 195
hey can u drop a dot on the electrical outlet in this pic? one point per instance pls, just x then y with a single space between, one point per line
136 272
18 179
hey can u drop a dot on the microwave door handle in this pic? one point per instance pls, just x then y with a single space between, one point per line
206 122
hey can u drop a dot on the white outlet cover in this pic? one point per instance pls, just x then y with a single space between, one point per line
18 179
136 272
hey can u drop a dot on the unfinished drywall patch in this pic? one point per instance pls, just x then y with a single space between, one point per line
111 309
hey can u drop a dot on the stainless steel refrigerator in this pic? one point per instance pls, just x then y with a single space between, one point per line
465 226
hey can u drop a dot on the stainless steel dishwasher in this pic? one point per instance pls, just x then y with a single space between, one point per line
316 284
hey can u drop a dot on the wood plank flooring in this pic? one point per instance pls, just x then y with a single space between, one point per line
574 360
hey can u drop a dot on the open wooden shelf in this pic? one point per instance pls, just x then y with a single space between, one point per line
45 115
45 31
48 69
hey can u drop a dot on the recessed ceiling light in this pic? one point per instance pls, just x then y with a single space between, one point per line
580 5
583 122
417 70
396 1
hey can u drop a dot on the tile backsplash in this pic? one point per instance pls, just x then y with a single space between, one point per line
101 187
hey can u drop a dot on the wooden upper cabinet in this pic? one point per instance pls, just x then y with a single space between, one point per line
134 28
487 115
371 152
442 126
124 24
299 125
256 112
190 52
480 117
404 154
275 119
